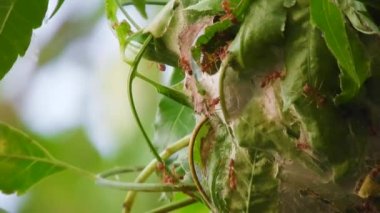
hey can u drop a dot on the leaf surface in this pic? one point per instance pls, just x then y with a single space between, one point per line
23 162
173 120
206 5
140 6
57 7
235 179
345 46
18 18
255 45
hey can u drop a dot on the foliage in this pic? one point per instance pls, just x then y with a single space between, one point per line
23 161
284 92
17 22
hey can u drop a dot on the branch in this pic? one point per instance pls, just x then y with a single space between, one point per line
151 167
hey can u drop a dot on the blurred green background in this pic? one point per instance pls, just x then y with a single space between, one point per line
69 93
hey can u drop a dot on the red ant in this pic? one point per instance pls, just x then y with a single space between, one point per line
271 77
161 67
185 64
302 145
227 9
232 181
213 102
168 178
314 95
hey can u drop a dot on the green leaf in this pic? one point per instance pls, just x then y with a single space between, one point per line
208 35
206 5
237 180
359 17
211 30
18 18
121 29
140 6
23 162
57 7
307 59
345 46
111 10
255 46
173 120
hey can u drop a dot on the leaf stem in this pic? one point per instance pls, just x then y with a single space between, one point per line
173 94
160 3
131 77
193 171
151 167
117 171
129 18
145 187
73 168
174 206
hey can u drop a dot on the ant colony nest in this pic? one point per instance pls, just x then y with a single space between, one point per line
284 124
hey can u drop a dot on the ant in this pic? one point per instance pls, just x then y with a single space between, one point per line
302 146
314 94
167 177
226 5
213 102
271 77
232 181
185 64
161 67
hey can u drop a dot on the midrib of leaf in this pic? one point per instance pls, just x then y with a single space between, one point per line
50 161
32 158
6 17
177 119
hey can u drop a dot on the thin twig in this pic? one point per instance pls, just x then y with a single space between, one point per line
145 187
159 3
129 18
168 92
151 167
117 171
131 77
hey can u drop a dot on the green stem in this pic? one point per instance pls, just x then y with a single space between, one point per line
145 187
174 206
62 165
129 18
173 94
117 171
132 75
151 167
193 171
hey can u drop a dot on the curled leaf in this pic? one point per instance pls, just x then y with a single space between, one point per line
160 24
